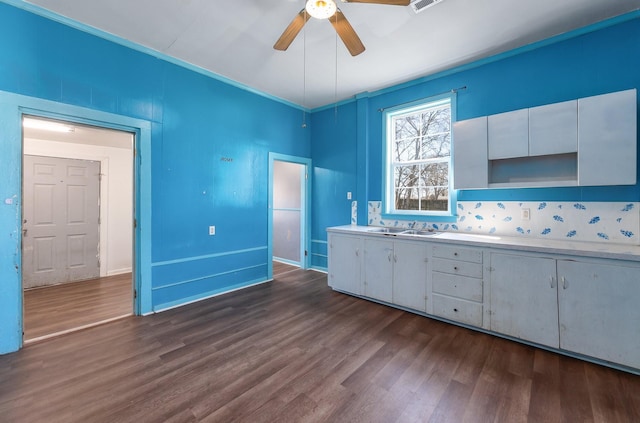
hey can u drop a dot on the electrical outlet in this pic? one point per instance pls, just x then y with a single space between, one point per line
212 230
525 214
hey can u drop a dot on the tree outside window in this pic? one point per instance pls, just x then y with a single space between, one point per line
419 158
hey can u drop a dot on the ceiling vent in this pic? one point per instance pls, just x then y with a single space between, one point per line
421 5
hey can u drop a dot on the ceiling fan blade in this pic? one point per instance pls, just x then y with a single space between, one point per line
292 31
388 2
347 33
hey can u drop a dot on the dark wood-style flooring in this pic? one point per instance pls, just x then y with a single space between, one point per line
295 351
60 308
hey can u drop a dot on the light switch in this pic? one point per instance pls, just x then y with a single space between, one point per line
212 230
349 195
525 214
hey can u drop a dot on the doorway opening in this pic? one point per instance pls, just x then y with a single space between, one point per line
77 226
289 185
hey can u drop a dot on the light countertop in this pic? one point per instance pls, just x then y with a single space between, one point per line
538 245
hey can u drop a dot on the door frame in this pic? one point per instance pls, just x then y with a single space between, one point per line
12 108
305 214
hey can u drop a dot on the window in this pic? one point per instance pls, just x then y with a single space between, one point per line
418 159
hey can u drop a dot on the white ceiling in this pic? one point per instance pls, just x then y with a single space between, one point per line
234 38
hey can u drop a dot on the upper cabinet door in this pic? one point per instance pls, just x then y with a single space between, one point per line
470 165
509 135
607 139
553 129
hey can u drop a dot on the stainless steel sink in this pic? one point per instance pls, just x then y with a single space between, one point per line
402 231
418 232
387 231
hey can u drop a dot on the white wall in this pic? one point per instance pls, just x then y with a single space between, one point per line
116 194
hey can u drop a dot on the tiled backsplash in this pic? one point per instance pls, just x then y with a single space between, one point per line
617 223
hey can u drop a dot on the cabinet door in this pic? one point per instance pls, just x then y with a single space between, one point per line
470 163
378 268
345 263
524 302
508 135
600 310
553 128
410 274
607 139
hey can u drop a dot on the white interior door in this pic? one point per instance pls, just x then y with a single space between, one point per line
60 220
288 216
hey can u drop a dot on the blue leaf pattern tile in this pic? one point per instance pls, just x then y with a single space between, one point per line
479 217
520 230
435 227
579 206
571 234
558 218
492 230
460 206
478 205
603 236
619 220
628 234
500 205
542 206
462 218
507 219
454 227
594 220
546 231
627 208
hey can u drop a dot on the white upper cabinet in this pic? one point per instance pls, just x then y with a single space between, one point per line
470 168
508 135
553 128
607 139
586 142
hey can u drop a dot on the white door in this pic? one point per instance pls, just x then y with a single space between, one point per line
524 298
60 220
288 213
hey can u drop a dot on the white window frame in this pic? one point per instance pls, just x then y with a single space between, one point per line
389 210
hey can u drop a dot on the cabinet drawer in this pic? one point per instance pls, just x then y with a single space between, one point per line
458 286
458 310
456 253
454 267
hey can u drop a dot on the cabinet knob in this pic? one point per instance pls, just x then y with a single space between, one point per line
552 281
455 267
455 309
565 284
455 254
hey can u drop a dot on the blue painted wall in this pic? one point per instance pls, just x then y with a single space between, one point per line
209 153
600 59
334 174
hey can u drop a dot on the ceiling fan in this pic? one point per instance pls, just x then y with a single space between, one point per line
327 9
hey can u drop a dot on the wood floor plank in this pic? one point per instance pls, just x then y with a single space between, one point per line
67 306
293 350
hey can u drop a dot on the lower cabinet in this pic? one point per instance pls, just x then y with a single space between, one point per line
457 284
344 263
395 271
587 306
410 272
524 301
599 310
378 269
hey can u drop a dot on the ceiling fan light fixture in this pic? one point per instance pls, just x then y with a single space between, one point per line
321 9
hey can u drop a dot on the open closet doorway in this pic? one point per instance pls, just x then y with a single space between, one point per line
289 187
77 232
